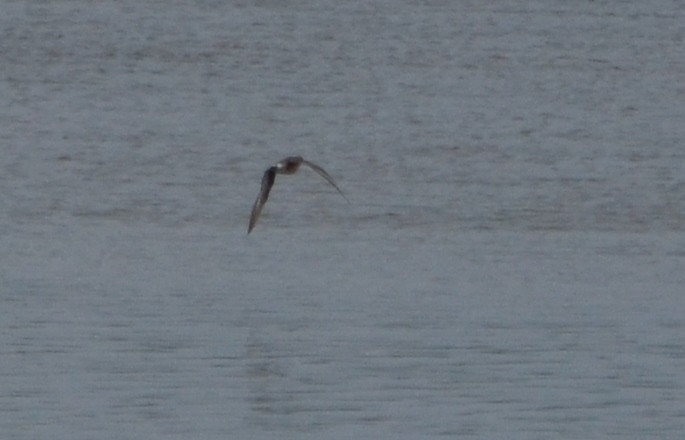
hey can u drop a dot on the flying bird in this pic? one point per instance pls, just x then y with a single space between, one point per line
289 165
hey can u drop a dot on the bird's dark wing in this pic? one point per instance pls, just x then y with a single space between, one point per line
267 183
321 172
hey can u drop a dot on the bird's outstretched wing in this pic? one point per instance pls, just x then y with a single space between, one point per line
321 172
267 183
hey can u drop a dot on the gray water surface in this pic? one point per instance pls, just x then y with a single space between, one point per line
510 264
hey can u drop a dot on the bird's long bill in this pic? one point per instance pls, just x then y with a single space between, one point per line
267 182
321 172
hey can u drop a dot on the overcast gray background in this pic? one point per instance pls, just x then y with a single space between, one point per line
511 264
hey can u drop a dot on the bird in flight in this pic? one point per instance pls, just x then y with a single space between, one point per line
289 165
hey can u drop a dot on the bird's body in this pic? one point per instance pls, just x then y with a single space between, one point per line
289 165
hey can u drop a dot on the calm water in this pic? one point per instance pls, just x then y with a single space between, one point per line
511 264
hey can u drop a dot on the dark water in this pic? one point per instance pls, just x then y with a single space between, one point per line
511 264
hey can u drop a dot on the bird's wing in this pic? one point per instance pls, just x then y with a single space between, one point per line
321 172
267 183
